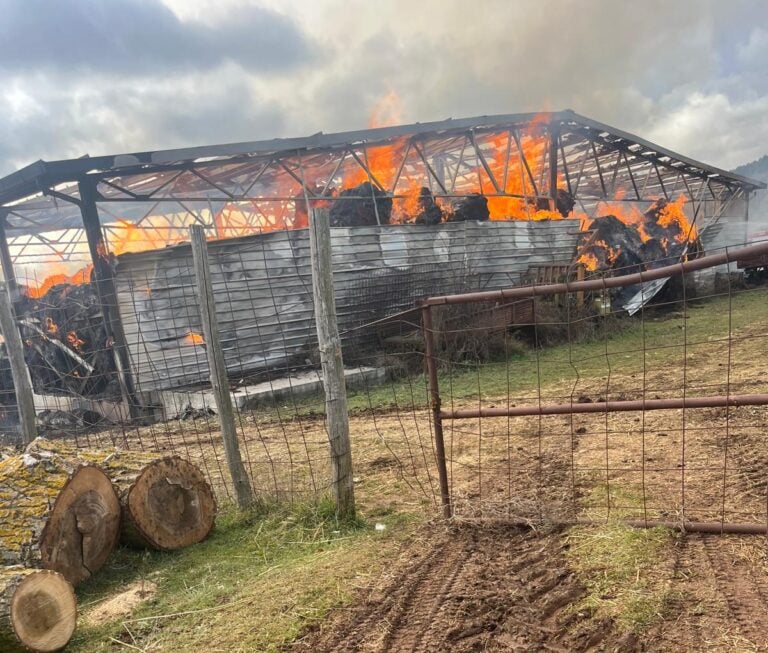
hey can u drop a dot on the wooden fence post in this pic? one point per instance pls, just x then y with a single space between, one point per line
21 382
218 370
337 418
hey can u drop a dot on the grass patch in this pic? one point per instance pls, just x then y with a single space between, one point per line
619 566
255 584
264 576
611 351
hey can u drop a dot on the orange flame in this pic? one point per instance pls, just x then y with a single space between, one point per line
409 206
81 276
627 212
125 236
674 214
669 216
589 261
192 338
50 326
534 144
74 341
383 162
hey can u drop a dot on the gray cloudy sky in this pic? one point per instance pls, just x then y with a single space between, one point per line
101 76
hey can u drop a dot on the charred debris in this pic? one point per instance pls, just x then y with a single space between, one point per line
366 205
69 353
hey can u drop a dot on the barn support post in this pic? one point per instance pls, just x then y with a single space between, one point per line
6 262
329 344
217 366
747 197
21 382
554 139
434 402
105 288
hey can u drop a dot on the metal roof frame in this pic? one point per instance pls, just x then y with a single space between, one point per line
44 176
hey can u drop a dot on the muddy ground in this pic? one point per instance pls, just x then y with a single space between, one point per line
494 588
472 589
468 588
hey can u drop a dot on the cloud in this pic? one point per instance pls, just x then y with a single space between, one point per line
122 117
104 76
142 37
754 53
710 126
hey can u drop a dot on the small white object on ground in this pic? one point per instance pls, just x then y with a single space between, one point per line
381 527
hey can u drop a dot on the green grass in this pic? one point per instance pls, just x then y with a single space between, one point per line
611 350
619 565
263 577
254 585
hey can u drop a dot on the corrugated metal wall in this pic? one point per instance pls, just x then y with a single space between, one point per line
263 289
731 229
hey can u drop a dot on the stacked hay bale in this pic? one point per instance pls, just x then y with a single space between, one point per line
63 511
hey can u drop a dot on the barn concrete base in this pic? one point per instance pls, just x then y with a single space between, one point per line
281 391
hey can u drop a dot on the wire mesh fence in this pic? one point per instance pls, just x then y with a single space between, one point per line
585 413
576 348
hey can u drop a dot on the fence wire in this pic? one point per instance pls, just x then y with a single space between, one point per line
703 335
573 348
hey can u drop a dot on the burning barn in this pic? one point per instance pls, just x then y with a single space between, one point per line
94 249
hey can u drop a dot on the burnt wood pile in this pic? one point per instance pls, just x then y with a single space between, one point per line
65 343
429 211
616 245
359 206
564 202
366 205
471 207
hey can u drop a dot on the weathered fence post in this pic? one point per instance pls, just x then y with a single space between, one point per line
434 402
21 383
337 418
218 370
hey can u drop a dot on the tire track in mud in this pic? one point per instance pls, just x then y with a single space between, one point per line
389 602
473 589
412 623
745 592
718 601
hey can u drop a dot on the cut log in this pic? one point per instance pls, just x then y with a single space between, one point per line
166 501
57 514
38 610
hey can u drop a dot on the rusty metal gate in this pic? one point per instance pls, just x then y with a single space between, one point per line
656 422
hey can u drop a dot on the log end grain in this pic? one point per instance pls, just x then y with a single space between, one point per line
39 610
84 526
170 505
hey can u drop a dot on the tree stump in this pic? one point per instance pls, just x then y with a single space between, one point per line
38 610
166 501
56 515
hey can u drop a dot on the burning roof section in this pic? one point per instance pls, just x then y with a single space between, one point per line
510 167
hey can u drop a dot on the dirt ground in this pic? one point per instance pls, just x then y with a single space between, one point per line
498 588
493 588
469 588
465 588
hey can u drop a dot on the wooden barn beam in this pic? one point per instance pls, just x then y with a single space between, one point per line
554 138
6 261
105 289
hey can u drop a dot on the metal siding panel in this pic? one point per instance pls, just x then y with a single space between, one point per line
262 285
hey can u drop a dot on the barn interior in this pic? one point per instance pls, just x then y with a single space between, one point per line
95 250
